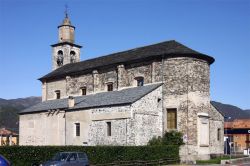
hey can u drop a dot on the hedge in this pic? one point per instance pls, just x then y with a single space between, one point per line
26 155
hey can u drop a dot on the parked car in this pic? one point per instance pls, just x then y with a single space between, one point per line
68 159
4 161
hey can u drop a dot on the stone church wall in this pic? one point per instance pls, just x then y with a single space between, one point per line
105 76
54 85
147 117
139 70
135 124
216 122
119 116
83 117
75 83
186 88
42 129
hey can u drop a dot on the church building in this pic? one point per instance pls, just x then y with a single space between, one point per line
125 98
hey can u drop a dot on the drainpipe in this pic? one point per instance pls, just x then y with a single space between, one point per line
65 127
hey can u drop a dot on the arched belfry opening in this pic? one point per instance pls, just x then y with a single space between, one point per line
65 51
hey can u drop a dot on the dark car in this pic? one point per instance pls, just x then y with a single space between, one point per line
68 159
4 161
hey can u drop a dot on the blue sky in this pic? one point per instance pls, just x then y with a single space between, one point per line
219 28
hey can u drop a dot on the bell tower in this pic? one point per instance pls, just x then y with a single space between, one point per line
65 51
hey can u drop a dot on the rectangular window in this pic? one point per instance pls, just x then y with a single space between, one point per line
84 91
77 128
58 95
172 118
218 134
110 87
108 128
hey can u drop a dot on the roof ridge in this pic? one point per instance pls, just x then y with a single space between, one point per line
121 97
170 48
119 52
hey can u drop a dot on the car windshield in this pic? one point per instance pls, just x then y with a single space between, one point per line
60 157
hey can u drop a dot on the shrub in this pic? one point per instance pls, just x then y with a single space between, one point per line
155 141
169 138
26 155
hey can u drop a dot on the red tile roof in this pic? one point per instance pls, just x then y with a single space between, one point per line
5 132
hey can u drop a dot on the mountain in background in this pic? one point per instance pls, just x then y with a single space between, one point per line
9 110
231 111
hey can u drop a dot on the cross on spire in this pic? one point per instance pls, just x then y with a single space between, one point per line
66 11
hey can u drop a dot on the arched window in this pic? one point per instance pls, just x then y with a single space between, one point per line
140 81
59 60
72 57
60 52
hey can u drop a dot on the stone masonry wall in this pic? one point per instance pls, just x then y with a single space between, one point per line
74 84
142 121
186 88
147 117
216 122
66 54
119 126
139 70
54 85
107 76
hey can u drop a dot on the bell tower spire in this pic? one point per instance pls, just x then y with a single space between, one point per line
66 30
65 51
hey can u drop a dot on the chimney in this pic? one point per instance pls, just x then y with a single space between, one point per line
71 102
